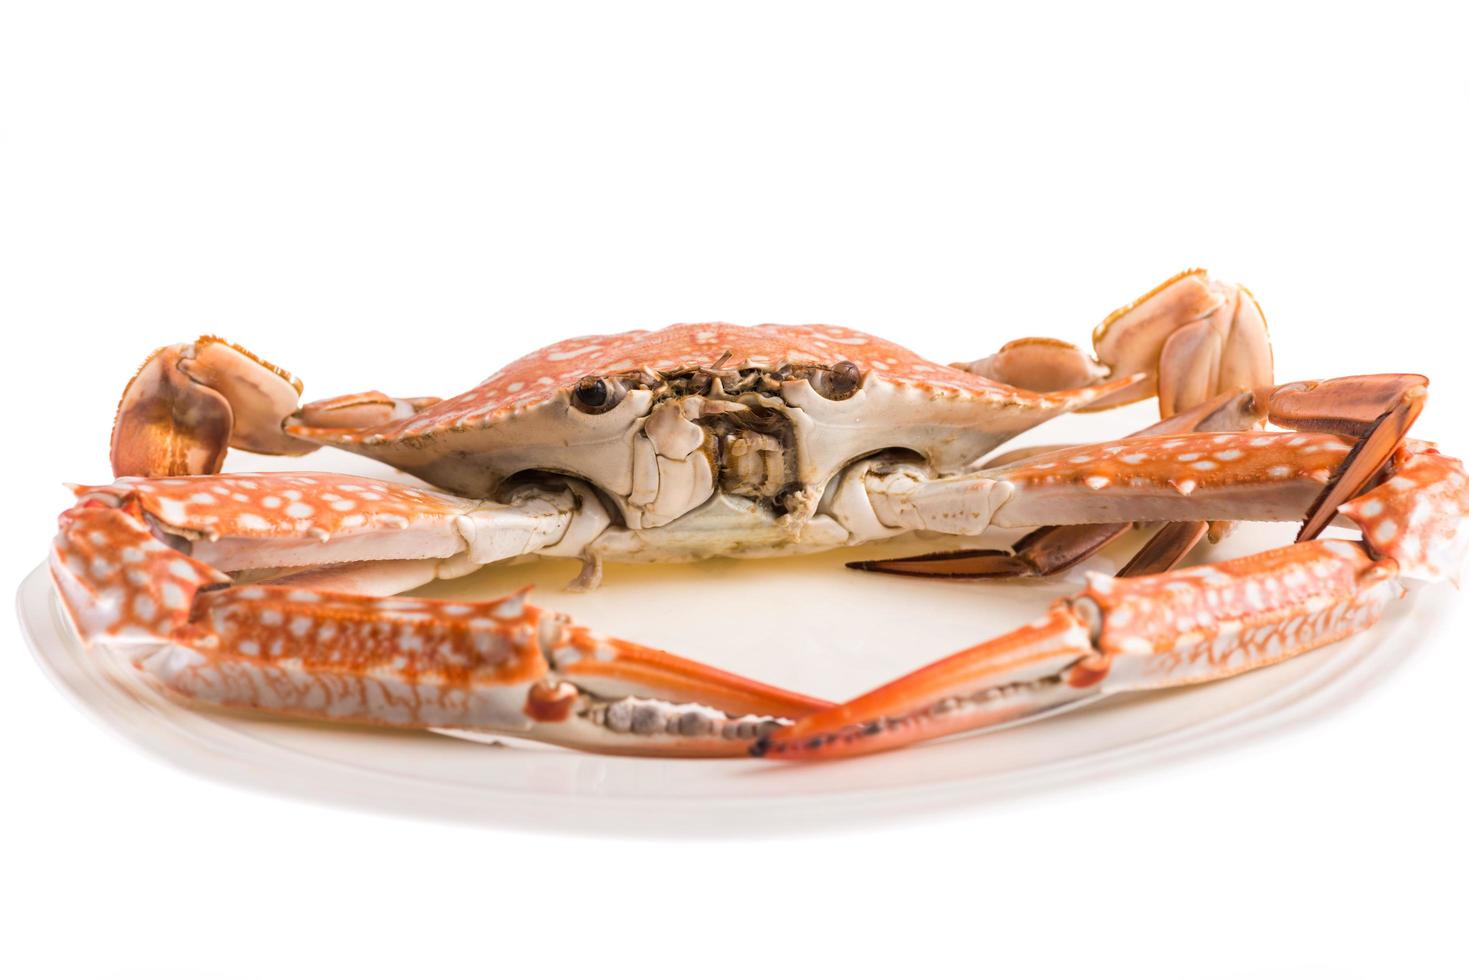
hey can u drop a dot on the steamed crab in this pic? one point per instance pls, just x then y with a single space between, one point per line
280 592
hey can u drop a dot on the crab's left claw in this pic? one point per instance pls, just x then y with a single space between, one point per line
611 695
138 566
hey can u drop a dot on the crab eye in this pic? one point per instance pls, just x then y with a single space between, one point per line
594 395
839 381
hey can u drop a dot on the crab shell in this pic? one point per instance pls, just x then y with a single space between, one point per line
656 454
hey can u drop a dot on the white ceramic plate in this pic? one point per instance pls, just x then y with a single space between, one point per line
805 623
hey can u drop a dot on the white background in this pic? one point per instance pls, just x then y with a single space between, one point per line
406 196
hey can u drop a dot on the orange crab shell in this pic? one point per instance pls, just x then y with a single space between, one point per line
538 377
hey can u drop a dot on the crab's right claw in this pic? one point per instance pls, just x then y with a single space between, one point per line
1157 631
189 402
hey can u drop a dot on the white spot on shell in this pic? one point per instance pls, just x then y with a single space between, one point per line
172 596
566 355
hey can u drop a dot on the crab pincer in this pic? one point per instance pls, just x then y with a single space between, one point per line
503 666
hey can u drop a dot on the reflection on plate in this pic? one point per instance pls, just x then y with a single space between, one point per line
805 623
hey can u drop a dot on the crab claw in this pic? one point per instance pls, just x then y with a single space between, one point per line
189 402
611 695
301 646
1157 631
1041 668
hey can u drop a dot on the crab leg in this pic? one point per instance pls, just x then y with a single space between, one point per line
504 666
1258 476
1044 551
189 403
1055 548
1187 626
1166 548
323 521
1184 477
1252 476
